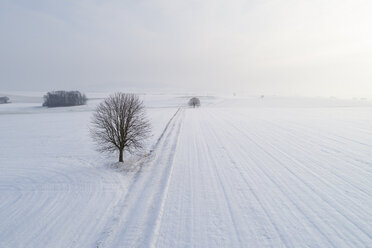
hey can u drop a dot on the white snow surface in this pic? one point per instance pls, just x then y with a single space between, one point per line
237 172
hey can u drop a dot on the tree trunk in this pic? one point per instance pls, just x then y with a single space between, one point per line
121 155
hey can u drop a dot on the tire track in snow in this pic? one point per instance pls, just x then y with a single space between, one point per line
306 170
155 230
309 140
336 205
276 136
316 162
216 171
269 217
277 186
309 187
341 173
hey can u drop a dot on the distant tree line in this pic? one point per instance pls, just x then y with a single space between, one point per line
64 98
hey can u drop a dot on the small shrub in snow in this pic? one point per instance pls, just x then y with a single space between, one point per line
194 102
64 98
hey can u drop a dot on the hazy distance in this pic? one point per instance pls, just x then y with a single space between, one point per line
293 47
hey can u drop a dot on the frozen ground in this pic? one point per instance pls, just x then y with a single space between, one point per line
238 172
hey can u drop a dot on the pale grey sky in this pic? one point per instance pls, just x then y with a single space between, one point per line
287 47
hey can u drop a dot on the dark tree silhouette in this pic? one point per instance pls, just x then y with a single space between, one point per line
194 102
64 98
119 124
4 99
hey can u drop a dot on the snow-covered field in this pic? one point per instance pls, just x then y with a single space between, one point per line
238 172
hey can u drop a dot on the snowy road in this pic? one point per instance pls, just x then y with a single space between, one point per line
218 176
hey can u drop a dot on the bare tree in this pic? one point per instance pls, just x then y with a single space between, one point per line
194 102
119 124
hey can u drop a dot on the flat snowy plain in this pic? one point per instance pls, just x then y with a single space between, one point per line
237 172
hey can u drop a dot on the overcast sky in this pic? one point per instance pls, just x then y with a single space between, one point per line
287 47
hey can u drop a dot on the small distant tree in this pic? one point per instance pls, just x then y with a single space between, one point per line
194 102
119 124
4 99
64 98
